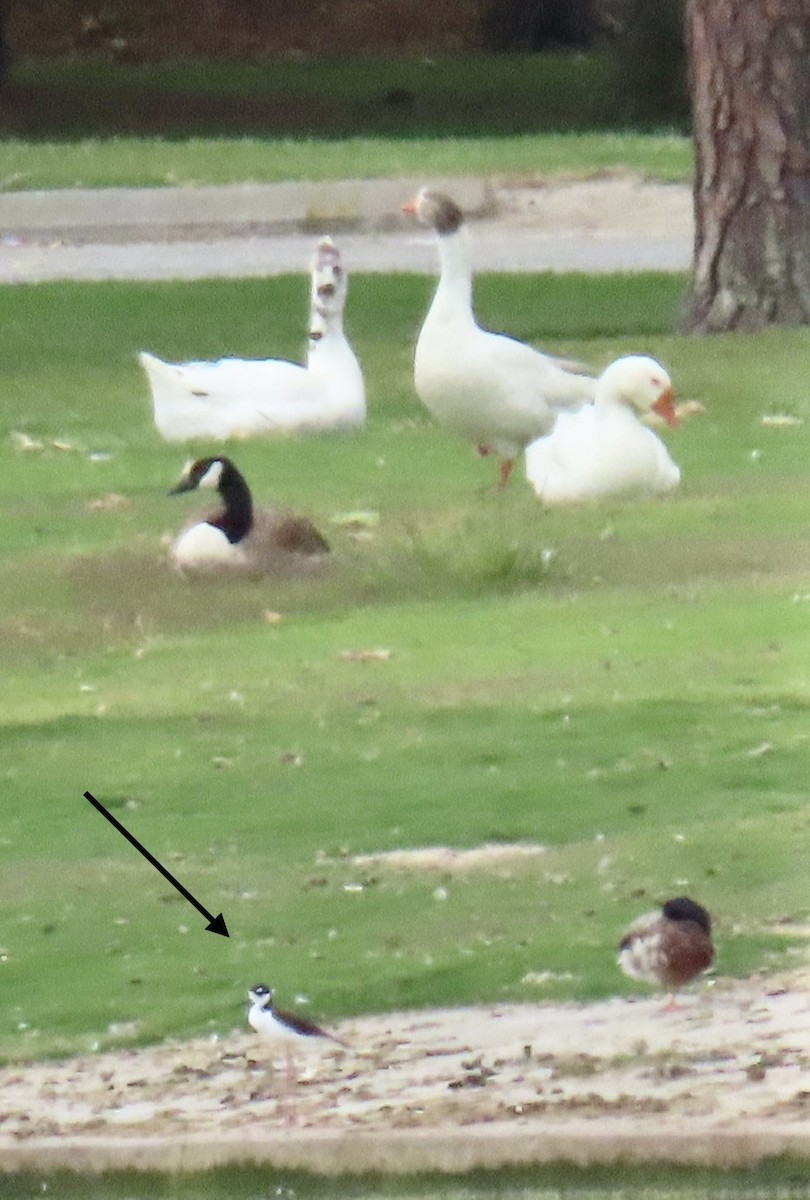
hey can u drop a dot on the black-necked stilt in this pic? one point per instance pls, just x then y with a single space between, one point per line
275 1025
668 948
286 1029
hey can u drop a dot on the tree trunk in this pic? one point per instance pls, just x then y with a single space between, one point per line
750 84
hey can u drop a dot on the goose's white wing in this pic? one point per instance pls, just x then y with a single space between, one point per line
493 388
597 452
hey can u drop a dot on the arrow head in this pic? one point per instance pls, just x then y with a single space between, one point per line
217 925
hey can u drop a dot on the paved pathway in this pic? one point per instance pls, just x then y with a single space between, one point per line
495 250
191 233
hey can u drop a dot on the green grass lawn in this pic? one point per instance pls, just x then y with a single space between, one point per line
625 684
159 162
782 1177
385 96
91 123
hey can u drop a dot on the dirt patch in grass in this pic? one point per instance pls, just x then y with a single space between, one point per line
446 858
716 1080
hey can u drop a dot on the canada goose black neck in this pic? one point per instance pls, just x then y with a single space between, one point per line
236 519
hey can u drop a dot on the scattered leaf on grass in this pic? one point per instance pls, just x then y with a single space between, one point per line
291 759
378 655
689 408
356 520
685 409
22 441
109 503
541 978
780 421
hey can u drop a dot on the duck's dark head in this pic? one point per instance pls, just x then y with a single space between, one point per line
684 909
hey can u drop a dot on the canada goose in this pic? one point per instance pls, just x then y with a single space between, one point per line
668 948
498 392
235 397
603 449
239 537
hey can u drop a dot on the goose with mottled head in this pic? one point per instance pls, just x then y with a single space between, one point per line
495 391
236 397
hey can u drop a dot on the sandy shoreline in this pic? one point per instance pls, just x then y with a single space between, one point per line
724 1080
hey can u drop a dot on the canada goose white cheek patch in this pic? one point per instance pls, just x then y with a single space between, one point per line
212 476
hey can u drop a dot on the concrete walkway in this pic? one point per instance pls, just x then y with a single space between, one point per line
613 224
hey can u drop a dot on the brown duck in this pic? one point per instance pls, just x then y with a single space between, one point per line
668 948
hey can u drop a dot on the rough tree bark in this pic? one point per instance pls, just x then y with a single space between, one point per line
750 86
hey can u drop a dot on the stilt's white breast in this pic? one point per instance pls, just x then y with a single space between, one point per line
269 1029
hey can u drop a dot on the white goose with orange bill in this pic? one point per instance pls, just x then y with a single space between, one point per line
603 449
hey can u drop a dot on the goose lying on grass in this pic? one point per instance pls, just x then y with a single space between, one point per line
236 397
603 449
238 537
499 393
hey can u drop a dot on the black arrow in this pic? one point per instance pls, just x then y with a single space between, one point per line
215 924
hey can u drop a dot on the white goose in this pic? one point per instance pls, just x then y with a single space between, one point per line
488 387
240 538
603 449
236 397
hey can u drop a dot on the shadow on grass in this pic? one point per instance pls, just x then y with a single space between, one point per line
786 1176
